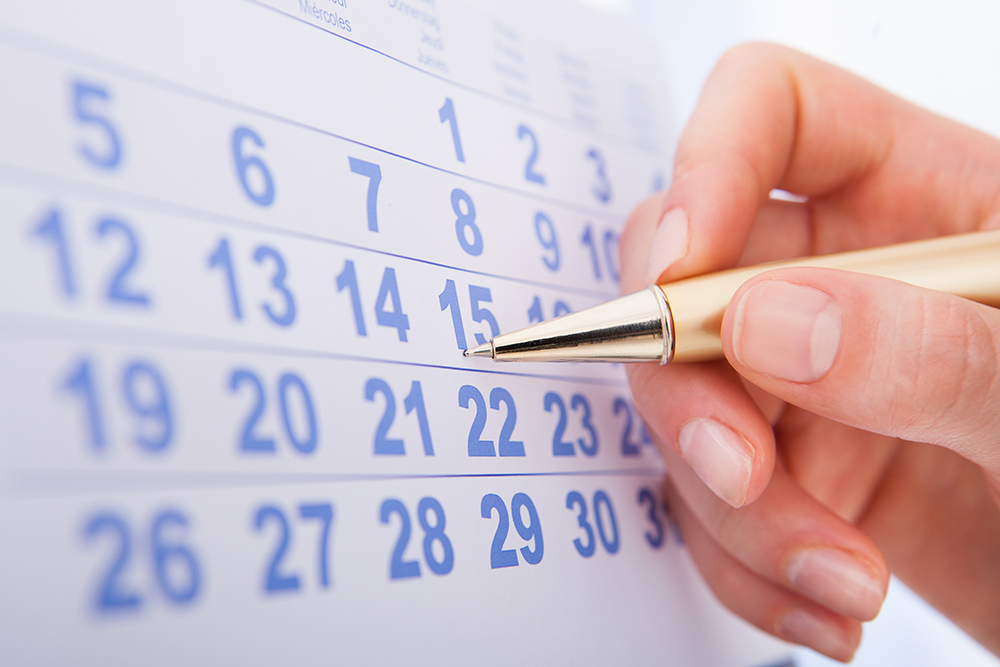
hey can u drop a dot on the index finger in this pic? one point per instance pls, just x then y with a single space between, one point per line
876 169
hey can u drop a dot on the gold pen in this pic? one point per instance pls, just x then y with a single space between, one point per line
682 321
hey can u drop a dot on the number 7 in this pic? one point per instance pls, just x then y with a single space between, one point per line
374 174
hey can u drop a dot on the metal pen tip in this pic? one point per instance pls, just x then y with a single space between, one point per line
484 350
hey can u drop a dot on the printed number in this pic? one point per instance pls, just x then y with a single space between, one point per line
85 97
433 533
275 580
387 291
259 189
655 538
118 290
145 394
303 438
577 402
222 259
374 174
465 223
477 447
413 401
535 313
610 249
532 531
611 543
548 240
523 131
448 299
447 114
629 447
174 564
602 188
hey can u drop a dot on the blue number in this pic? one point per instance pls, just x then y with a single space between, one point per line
629 448
535 313
588 240
349 279
447 113
51 229
611 545
112 155
395 318
449 300
244 164
601 189
171 558
579 401
307 444
559 446
499 557
249 441
323 512
548 241
415 401
477 295
383 444
156 411
506 446
80 382
477 447
655 539
274 579
398 568
374 174
529 168
611 253
466 220
532 531
278 282
435 533
111 596
585 550
222 258
117 288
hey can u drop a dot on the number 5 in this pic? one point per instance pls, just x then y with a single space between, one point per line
82 95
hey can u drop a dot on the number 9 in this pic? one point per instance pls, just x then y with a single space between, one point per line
548 240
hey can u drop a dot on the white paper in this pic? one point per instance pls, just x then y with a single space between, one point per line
204 461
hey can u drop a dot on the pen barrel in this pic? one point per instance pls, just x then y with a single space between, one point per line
966 265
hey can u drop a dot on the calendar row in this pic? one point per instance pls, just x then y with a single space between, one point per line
120 134
156 271
130 408
301 540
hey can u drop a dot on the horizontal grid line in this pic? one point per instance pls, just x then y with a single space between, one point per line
160 206
53 483
58 328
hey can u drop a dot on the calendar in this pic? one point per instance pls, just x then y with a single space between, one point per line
243 246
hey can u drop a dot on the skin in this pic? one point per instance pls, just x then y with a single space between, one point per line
892 456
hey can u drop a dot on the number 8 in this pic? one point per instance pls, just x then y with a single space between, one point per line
465 221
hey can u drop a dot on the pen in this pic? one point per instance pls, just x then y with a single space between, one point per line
682 320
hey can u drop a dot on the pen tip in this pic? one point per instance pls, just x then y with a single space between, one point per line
484 350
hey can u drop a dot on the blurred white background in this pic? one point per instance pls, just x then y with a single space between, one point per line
944 56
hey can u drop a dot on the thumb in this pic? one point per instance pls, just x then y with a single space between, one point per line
874 353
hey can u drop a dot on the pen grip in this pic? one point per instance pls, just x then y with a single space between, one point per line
967 265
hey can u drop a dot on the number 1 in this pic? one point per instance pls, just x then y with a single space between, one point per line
447 113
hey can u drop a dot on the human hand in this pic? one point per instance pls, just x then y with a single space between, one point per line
855 426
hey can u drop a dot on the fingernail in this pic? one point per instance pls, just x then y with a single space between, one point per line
802 627
787 331
837 580
721 457
669 244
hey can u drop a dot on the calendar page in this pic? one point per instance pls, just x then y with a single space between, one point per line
243 245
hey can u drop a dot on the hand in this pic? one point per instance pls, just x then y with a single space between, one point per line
856 426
